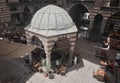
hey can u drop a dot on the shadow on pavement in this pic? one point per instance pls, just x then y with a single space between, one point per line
86 50
76 66
12 71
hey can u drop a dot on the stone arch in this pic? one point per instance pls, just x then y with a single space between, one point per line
39 53
60 50
112 24
36 41
97 24
77 12
44 41
29 36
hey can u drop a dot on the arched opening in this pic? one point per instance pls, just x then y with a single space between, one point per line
27 14
113 26
60 51
114 3
36 41
15 17
95 32
38 54
77 12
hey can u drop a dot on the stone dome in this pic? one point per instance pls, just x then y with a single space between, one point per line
51 20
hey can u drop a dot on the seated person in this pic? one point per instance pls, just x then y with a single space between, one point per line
106 45
106 42
103 63
102 52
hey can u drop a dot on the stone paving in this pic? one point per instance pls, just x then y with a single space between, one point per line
82 75
16 70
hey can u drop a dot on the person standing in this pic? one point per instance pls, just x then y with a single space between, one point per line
75 60
57 63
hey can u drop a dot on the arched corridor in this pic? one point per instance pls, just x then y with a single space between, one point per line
77 12
37 54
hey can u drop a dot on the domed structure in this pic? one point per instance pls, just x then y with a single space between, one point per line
50 25
51 20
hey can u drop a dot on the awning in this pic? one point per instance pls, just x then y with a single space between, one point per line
14 50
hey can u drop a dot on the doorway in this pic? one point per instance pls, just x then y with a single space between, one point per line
94 34
60 51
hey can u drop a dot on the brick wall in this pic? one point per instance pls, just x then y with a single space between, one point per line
4 11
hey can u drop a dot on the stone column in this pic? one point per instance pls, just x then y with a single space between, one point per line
71 56
103 26
90 25
28 37
48 61
72 43
47 52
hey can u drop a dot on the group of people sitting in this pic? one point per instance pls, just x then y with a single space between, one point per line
37 67
103 73
60 68
17 36
107 64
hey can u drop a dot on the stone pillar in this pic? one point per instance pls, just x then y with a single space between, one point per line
47 52
103 26
71 56
48 61
28 37
90 25
72 43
